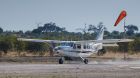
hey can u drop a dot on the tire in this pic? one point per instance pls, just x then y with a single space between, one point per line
86 61
101 52
61 61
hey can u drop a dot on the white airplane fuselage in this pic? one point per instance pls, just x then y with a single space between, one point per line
78 50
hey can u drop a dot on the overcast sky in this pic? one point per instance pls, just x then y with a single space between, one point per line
71 14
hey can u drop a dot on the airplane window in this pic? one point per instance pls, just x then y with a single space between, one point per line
88 47
74 46
71 44
63 44
85 46
78 46
67 44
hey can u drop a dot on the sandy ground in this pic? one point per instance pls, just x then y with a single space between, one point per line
111 65
95 69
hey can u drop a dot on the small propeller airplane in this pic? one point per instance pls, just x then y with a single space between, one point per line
80 49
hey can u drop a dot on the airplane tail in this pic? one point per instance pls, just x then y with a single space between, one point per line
100 34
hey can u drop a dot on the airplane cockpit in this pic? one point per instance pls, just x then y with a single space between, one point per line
66 44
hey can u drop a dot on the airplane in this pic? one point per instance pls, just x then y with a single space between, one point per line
79 49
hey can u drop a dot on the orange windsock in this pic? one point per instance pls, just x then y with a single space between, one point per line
121 16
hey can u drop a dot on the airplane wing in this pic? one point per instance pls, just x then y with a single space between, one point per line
106 41
43 41
38 40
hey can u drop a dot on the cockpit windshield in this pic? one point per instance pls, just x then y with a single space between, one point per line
67 44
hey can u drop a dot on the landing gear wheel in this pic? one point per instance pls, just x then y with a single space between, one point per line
86 61
101 52
61 61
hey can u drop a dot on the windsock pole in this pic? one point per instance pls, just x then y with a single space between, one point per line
124 35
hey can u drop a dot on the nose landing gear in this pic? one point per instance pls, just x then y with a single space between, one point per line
86 61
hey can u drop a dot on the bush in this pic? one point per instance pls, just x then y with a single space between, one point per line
36 47
135 45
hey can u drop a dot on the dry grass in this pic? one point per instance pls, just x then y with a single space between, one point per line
119 55
15 54
107 55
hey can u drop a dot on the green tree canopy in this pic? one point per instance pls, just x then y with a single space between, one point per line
1 30
130 29
49 27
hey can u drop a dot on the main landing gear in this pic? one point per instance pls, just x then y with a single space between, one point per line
101 52
61 60
86 61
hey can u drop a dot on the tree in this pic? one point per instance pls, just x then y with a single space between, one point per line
92 28
135 45
115 34
36 47
96 29
1 30
130 29
49 27
84 30
107 34
19 46
49 30
5 44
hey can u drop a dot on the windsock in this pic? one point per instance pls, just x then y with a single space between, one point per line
121 16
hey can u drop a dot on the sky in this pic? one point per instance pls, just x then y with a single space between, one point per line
71 14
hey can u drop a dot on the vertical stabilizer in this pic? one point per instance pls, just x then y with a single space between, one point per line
100 34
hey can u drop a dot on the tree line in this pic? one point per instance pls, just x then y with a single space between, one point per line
9 42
